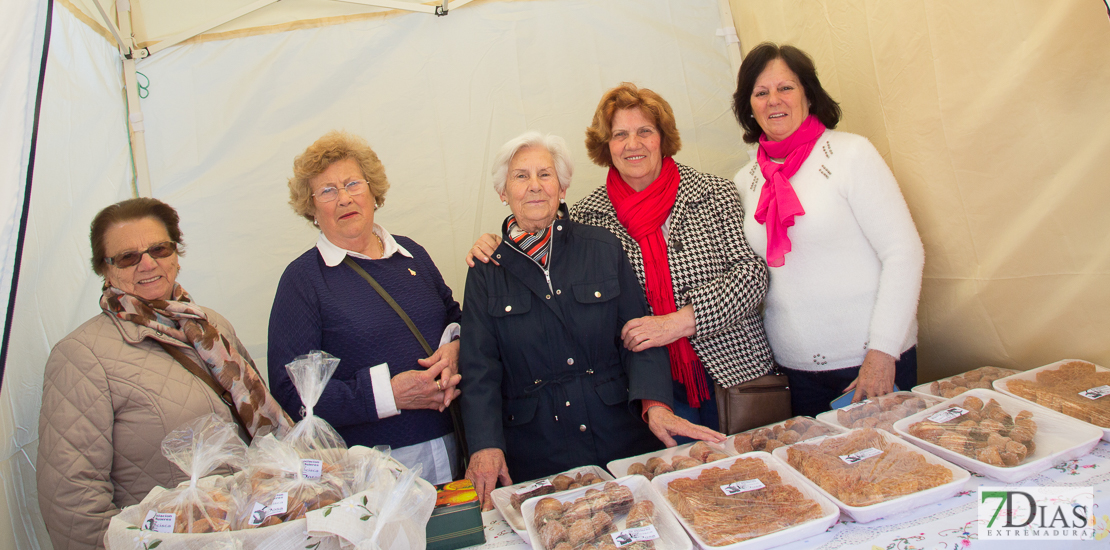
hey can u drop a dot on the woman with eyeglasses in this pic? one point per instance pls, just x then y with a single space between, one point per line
387 390
151 361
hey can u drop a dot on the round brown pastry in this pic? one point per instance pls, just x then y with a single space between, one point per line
953 442
638 468
641 513
548 509
588 478
700 449
563 546
997 440
990 456
958 380
743 443
561 482
790 437
684 462
1021 433
759 442
654 462
814 431
992 426
717 455
973 403
581 532
663 468
552 533
1019 450
773 444
777 430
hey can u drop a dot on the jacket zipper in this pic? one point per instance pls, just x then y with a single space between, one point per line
546 270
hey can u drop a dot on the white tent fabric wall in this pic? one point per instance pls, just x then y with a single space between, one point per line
434 96
82 164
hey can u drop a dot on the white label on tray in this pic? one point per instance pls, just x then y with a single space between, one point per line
258 514
1095 393
533 486
260 511
742 486
159 523
860 455
636 534
947 414
312 469
847 408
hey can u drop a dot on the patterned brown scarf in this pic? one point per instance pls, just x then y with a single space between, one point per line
181 319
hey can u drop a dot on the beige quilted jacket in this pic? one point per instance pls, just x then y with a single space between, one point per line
110 395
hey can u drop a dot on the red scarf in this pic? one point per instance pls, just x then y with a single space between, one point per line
642 214
778 203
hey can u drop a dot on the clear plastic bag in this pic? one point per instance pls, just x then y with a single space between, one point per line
198 448
981 378
313 437
983 431
281 486
880 412
780 434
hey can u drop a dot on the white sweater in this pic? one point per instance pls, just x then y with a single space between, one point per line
853 277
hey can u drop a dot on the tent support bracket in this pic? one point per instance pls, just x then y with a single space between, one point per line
135 128
112 28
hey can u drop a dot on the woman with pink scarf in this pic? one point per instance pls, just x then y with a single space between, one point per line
824 211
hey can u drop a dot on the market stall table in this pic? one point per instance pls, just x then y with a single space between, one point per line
949 524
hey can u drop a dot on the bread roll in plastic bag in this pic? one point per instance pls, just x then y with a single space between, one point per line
198 448
282 486
313 437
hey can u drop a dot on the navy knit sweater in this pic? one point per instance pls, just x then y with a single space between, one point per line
335 310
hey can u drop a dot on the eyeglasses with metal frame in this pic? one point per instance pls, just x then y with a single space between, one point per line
331 192
157 251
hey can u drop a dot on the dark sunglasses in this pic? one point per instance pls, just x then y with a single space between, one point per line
156 251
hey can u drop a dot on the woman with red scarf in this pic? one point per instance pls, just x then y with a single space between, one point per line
682 232
825 212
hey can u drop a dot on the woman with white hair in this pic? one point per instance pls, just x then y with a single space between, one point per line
547 384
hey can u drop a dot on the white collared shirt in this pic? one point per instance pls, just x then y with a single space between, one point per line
432 452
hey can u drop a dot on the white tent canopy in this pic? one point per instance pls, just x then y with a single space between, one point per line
991 114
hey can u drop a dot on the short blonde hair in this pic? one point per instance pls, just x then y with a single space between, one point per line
334 146
628 96
555 145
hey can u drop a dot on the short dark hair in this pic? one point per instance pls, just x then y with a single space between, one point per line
628 96
128 210
821 104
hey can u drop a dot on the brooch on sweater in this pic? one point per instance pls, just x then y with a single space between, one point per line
411 272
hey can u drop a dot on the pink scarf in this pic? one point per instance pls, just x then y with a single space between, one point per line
778 203
642 214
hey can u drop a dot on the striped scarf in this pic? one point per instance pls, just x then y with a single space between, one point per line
536 245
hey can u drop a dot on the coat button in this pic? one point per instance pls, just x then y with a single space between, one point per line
677 246
597 294
582 428
558 291
548 296
508 309
558 228
684 290
498 256
568 403
570 360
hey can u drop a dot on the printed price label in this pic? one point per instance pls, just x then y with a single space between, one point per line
847 408
860 455
948 414
636 534
259 512
159 523
312 469
533 486
1095 393
742 486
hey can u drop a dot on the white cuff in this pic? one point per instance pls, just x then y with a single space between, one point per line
449 334
383 391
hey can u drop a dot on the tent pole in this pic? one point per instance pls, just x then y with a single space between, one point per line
728 30
135 129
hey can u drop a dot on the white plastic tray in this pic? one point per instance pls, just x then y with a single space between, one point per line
1002 383
619 467
730 447
1059 437
899 505
923 389
501 496
829 417
671 534
789 476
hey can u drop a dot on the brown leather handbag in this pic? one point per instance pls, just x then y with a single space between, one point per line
758 402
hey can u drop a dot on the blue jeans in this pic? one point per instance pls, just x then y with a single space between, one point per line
706 414
812 391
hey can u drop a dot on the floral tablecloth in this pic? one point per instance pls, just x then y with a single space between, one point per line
947 525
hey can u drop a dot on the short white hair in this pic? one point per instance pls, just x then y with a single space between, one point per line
557 146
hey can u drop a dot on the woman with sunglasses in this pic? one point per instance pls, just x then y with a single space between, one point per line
151 361
387 390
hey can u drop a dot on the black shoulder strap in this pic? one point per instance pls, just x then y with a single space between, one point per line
206 377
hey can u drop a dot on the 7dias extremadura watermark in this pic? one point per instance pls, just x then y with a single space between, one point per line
1036 513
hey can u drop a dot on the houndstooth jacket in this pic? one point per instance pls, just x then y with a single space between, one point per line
712 267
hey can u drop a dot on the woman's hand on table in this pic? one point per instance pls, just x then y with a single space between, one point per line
665 425
483 249
424 389
446 361
658 330
876 376
487 466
